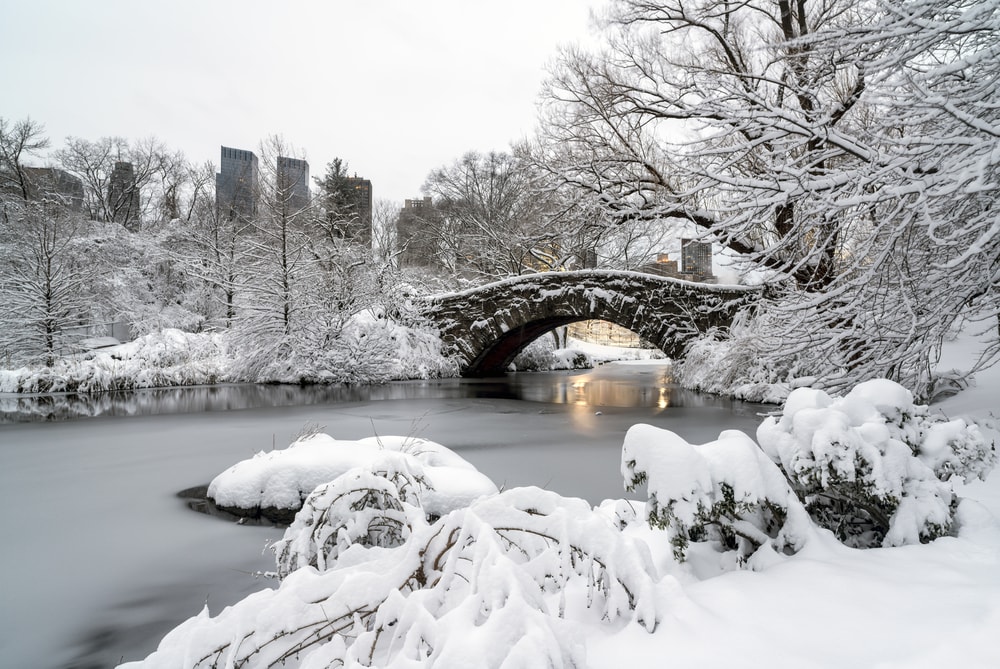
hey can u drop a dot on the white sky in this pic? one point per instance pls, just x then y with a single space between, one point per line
394 87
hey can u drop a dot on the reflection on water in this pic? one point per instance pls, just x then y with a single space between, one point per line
646 384
599 388
197 399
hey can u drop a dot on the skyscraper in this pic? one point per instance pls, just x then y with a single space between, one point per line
236 184
293 182
123 195
416 245
696 258
360 196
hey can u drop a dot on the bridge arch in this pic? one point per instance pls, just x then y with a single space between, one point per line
486 327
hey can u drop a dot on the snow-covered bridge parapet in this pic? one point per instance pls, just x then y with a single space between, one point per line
487 327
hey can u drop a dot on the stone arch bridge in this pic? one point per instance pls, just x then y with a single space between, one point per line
486 327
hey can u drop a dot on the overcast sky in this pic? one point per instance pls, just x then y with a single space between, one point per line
394 87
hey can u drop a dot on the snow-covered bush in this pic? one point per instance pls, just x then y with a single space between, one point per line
359 507
872 466
275 484
726 492
366 350
733 363
167 358
502 583
542 355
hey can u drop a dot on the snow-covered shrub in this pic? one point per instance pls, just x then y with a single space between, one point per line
275 484
733 363
360 507
542 355
952 448
869 466
502 583
161 359
366 349
726 492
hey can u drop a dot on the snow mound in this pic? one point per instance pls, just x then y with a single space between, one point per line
280 480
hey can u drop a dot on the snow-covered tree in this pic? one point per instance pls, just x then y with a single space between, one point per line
846 146
490 219
279 258
47 280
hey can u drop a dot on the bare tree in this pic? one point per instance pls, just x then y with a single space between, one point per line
201 179
384 217
170 174
490 220
95 164
18 141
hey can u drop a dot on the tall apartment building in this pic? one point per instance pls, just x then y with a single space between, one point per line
416 247
123 195
696 259
696 263
359 197
293 182
237 184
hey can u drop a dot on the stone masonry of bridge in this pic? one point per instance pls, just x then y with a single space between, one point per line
487 327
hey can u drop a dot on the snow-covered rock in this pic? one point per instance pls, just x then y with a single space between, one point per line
276 483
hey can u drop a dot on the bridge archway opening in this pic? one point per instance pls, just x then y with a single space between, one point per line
485 327
496 358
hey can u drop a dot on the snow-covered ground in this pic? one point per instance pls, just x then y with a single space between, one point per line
490 587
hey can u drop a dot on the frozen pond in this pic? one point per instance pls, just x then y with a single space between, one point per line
103 558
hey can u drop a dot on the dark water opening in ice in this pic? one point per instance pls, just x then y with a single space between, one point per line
104 557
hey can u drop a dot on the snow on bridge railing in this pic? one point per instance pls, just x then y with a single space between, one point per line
547 277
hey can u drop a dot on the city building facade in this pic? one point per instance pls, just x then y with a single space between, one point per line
52 183
293 182
237 184
123 195
415 245
359 227
696 263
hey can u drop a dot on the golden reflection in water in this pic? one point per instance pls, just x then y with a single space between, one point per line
584 418
608 393
664 401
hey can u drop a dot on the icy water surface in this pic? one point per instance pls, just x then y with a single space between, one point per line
103 557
